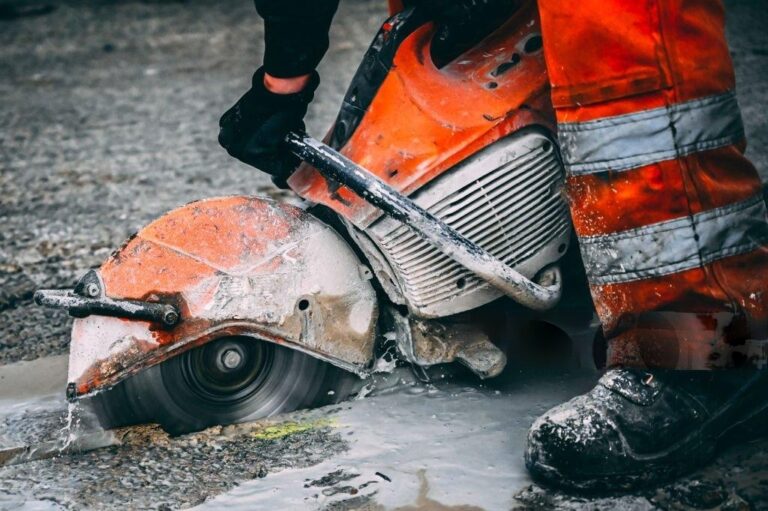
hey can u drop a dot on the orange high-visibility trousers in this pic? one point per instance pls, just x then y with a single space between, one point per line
669 213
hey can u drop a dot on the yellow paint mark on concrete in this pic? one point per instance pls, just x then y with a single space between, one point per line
284 429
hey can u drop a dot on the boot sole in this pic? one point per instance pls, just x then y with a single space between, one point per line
698 448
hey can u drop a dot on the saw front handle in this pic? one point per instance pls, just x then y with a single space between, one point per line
540 295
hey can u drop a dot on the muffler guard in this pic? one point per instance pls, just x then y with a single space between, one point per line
229 266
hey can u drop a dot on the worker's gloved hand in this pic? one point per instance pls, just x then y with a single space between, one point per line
253 129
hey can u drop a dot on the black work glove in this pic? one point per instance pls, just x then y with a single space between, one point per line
253 129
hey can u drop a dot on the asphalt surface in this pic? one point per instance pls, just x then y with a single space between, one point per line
108 118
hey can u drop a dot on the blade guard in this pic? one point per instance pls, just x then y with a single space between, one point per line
230 266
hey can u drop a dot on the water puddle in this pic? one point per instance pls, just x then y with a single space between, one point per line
452 444
36 421
441 446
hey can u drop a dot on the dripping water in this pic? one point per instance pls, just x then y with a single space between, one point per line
71 423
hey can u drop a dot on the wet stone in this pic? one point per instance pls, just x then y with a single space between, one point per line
358 503
332 479
335 490
700 494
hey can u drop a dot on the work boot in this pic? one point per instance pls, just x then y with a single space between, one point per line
637 428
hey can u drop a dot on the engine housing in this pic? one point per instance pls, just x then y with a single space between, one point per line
507 198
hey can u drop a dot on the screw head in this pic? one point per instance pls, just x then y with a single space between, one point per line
231 359
170 317
92 289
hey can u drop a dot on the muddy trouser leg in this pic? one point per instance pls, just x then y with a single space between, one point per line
669 213
673 232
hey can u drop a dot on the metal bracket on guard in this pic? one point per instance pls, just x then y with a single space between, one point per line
87 298
540 295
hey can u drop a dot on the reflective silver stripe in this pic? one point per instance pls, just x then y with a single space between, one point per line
629 141
676 245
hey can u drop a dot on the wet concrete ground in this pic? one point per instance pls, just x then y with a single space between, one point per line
108 117
452 445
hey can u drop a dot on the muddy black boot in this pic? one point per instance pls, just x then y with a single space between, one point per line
638 428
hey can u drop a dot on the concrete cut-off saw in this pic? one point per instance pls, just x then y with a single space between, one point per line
433 231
